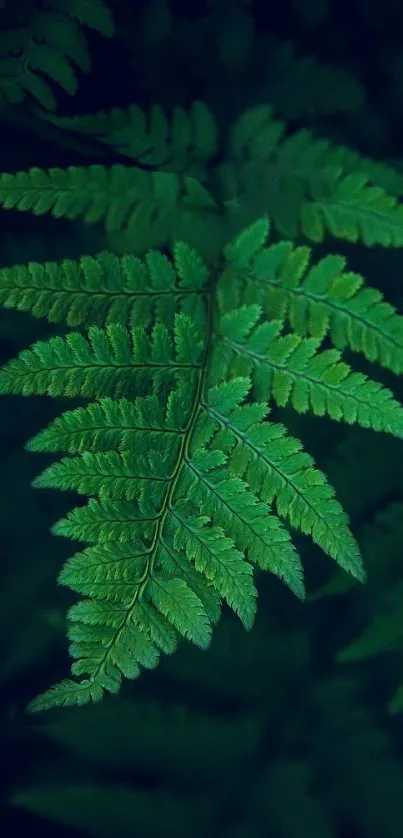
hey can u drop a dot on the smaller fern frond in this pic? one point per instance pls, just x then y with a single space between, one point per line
176 601
104 520
301 86
184 142
43 44
349 207
108 571
300 182
153 207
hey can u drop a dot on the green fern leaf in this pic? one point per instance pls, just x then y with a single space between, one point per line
105 571
188 477
119 476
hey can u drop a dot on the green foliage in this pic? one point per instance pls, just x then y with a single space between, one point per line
155 206
378 614
88 806
300 181
301 86
186 141
204 187
42 43
381 632
114 744
104 289
188 477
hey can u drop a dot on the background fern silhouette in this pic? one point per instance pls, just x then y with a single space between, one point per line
45 41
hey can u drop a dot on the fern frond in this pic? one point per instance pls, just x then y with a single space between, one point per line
215 557
301 184
188 483
301 86
47 43
154 207
379 173
107 571
317 300
106 288
304 183
349 207
184 142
